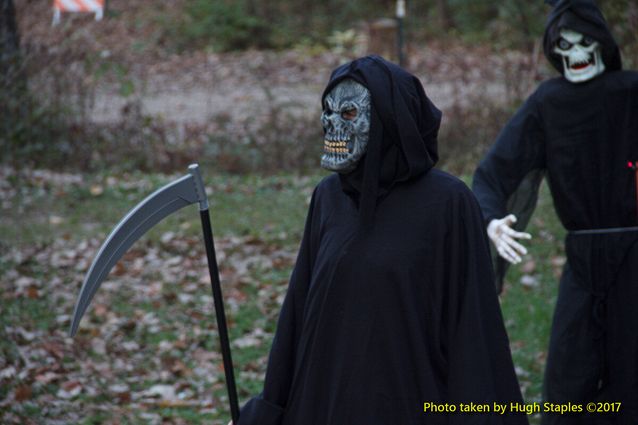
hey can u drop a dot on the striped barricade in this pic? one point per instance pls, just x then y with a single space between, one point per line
92 6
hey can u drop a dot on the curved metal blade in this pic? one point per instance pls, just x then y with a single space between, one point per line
146 214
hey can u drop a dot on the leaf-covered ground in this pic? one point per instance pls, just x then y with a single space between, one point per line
147 349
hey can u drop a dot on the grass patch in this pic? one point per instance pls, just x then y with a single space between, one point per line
240 205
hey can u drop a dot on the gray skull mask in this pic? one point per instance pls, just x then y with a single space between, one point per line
346 124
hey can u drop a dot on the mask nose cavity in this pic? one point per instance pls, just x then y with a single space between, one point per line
578 54
327 121
334 128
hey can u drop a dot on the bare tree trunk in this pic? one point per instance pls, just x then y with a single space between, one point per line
9 39
12 80
445 17
632 18
524 23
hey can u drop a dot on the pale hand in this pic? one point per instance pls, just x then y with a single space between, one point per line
503 237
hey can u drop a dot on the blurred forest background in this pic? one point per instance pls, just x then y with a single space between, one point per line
94 115
239 81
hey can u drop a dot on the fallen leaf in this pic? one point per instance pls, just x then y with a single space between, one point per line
164 392
71 393
55 348
529 281
55 220
22 393
529 267
100 310
8 373
96 190
33 293
47 378
558 261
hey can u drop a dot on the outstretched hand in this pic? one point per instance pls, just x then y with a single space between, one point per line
503 237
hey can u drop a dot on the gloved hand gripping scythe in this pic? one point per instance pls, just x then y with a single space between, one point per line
184 191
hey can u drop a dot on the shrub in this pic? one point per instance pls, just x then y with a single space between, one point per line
224 25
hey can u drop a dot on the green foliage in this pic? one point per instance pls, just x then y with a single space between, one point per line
45 108
472 16
522 22
510 23
224 25
622 16
237 25
33 129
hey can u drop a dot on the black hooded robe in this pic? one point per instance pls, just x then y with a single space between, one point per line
583 137
391 309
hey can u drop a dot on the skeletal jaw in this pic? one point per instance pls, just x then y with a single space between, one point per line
581 55
579 69
338 156
580 64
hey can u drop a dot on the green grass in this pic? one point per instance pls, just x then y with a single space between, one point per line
528 311
268 210
240 205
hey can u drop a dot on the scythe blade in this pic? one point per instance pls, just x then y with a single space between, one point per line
161 203
137 222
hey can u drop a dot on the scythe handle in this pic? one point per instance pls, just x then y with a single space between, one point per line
219 312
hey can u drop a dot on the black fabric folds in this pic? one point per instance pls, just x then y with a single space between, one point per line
380 319
584 138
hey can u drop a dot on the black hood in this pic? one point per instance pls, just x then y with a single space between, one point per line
404 126
585 17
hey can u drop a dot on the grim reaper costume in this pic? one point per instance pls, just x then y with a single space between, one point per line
391 302
584 137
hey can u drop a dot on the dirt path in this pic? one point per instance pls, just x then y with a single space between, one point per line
198 88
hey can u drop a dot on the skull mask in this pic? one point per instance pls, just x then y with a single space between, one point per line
582 59
346 125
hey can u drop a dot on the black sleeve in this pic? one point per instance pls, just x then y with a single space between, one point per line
480 367
268 407
518 153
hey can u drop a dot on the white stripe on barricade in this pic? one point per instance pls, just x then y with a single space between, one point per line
94 6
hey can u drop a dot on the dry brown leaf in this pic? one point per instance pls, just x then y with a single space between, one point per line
22 393
529 267
33 293
47 377
55 348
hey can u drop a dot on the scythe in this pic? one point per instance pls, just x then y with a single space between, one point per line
182 192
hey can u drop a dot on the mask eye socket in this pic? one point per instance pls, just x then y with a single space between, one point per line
587 41
349 114
564 44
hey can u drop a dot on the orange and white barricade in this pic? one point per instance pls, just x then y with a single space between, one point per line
91 6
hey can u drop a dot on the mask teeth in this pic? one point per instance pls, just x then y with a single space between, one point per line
337 147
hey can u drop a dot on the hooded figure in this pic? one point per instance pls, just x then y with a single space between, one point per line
391 303
584 137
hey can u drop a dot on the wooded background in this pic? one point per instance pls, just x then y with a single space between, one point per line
53 79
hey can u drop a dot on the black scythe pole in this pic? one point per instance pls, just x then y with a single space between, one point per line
222 328
221 316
